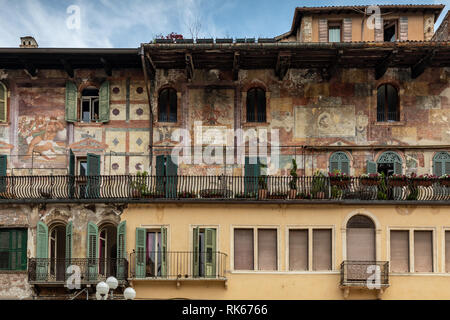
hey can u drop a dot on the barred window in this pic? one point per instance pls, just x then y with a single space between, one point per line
387 103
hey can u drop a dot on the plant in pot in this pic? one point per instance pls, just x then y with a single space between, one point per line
277 195
382 189
139 186
445 180
293 181
398 180
371 179
318 187
424 180
262 187
338 178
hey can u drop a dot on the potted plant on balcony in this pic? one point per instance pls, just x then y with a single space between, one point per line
186 195
424 180
211 194
445 180
338 178
139 185
371 179
277 195
398 180
248 195
262 187
293 181
303 195
318 187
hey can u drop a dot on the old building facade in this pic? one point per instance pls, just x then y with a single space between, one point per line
139 163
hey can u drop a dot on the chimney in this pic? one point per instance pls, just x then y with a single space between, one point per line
28 42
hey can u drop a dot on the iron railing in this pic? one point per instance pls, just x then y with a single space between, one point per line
54 270
368 274
178 265
126 187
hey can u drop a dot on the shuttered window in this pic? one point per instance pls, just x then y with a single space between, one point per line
339 161
298 250
322 249
243 249
267 249
423 251
441 164
3 102
256 105
399 251
13 249
167 105
387 103
447 251
361 239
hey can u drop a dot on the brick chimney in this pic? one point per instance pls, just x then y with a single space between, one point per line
28 42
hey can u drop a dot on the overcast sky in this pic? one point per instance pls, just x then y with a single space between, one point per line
127 23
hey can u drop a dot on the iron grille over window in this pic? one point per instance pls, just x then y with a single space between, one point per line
387 103
167 105
256 105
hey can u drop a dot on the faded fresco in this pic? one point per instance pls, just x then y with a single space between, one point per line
211 106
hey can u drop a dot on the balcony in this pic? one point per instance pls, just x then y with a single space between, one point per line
128 188
91 271
371 275
178 266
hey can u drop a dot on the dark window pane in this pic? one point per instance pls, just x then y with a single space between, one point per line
167 105
256 105
392 99
4 260
381 103
251 100
85 112
4 240
173 106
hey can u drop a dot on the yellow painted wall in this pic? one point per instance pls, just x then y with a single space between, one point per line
282 284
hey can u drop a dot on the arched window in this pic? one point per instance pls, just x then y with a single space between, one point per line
167 105
361 239
389 163
339 161
387 103
441 163
256 105
3 102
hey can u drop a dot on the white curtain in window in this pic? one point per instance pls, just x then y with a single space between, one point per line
334 34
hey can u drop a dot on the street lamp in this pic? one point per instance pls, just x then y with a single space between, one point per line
102 290
129 293
112 284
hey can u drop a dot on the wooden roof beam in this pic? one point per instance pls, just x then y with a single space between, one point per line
67 67
106 66
189 66
418 68
151 68
283 64
382 67
236 62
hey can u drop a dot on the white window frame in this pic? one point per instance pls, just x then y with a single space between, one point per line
255 229
91 100
310 229
411 248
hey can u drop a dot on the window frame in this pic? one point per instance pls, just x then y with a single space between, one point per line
255 107
339 161
255 249
387 24
386 104
334 24
14 250
168 106
4 100
411 256
91 100
310 229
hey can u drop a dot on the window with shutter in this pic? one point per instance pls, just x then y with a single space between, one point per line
322 249
3 103
340 161
423 251
13 249
121 250
71 102
441 164
163 252
210 252
447 251
256 105
298 250
361 239
389 163
140 252
93 175
41 251
399 261
267 249
92 250
3 170
167 105
104 102
243 249
371 167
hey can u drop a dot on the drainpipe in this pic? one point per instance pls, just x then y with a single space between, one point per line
147 87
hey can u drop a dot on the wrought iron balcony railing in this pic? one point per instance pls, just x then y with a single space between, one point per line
281 188
49 271
178 265
365 274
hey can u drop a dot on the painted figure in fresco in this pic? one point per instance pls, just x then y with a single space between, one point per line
42 136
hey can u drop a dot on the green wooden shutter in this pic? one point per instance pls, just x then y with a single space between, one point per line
121 250
41 251
160 173
140 252
71 177
68 246
71 102
447 167
210 255
371 167
93 172
437 166
171 176
3 167
196 249
3 102
164 252
92 250
22 248
104 102
397 168
251 172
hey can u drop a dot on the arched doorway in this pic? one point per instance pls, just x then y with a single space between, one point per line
361 239
107 245
57 251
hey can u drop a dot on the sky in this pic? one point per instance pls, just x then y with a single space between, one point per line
128 23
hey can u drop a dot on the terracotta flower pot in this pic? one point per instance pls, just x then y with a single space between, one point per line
262 194
292 194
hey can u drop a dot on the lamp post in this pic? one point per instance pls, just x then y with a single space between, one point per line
112 284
